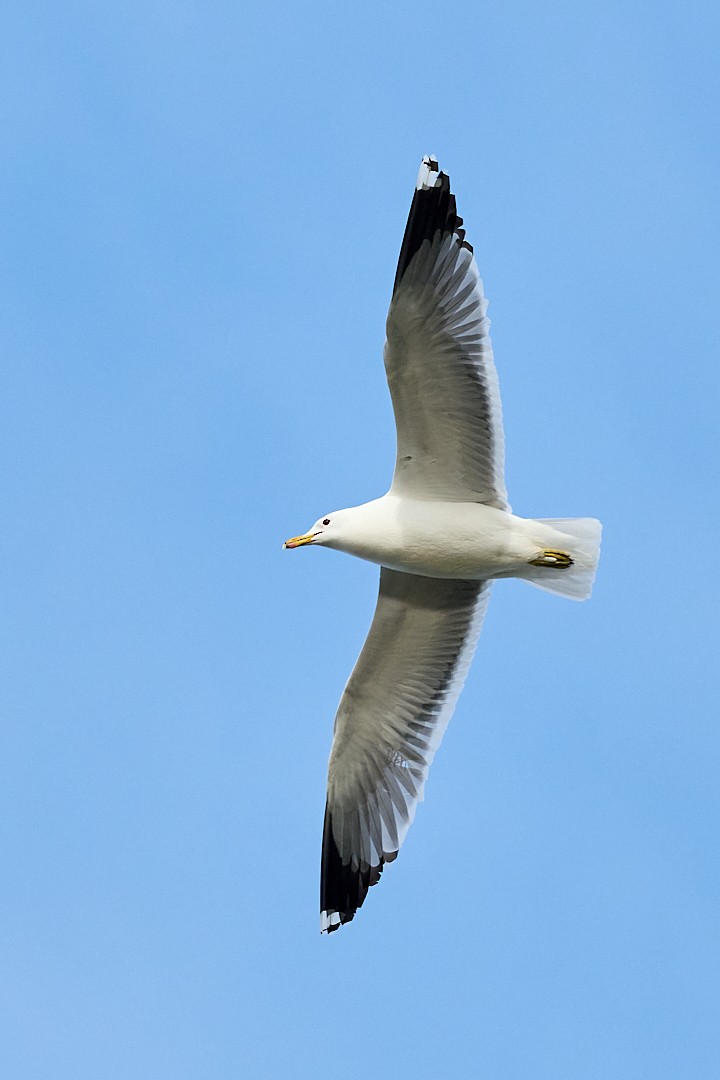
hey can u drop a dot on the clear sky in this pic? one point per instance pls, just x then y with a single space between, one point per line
203 206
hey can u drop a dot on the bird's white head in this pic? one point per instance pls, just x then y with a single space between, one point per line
327 530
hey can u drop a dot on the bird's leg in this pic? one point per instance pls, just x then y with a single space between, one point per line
554 560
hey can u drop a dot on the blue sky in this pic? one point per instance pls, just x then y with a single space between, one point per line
203 206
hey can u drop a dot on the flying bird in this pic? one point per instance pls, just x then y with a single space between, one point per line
441 535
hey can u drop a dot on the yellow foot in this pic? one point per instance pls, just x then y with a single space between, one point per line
553 560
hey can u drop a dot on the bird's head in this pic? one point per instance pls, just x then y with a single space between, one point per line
325 530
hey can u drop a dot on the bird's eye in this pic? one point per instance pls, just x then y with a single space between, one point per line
326 521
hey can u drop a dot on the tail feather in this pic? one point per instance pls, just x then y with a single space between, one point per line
580 538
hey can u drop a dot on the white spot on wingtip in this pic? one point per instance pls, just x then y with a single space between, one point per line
328 921
428 174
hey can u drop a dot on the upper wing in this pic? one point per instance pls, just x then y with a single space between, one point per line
439 360
390 721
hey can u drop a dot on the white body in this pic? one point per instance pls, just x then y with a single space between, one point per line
437 539
463 540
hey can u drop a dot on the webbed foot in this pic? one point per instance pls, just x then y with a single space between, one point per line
553 560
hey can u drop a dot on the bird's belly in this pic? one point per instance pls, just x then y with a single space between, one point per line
451 562
470 541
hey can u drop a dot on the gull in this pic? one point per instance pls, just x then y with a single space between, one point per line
441 535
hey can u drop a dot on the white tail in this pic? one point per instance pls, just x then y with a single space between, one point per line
580 538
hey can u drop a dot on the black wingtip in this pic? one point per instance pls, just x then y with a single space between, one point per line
343 886
433 210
